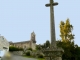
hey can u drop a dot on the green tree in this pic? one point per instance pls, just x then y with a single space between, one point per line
67 40
38 47
47 44
42 46
77 52
68 48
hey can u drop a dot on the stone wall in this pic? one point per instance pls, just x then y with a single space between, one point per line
34 46
22 44
17 52
36 53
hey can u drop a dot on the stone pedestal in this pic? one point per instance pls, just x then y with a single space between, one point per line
53 53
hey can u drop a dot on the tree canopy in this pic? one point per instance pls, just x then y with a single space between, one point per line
66 31
71 51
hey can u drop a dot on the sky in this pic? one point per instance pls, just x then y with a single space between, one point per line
19 18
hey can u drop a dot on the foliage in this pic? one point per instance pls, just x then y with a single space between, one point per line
40 59
39 55
47 44
77 52
12 48
66 31
30 49
28 53
38 47
71 51
68 49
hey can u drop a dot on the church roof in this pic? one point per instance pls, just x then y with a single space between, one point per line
21 42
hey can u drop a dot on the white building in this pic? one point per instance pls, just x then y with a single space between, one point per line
4 44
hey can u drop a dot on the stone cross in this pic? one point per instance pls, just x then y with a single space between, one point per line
52 23
52 53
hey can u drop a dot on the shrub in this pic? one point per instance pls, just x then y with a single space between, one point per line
40 55
30 49
33 54
28 53
12 48
20 49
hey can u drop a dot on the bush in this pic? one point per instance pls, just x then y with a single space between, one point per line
40 55
33 54
30 49
20 49
12 48
28 53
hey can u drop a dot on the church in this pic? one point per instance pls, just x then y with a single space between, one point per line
26 44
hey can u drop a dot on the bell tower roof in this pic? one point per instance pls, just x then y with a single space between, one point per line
33 33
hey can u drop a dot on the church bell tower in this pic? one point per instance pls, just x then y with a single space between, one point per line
33 37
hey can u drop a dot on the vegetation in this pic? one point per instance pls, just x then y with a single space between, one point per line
66 31
29 49
40 59
45 45
40 56
35 58
38 47
28 53
12 48
71 51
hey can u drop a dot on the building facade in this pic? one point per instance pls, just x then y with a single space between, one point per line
26 44
4 44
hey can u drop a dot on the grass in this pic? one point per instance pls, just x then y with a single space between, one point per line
35 58
40 59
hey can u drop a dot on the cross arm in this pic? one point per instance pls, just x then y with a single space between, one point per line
54 4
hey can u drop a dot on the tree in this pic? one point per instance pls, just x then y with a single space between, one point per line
38 47
67 40
47 44
66 31
42 46
77 52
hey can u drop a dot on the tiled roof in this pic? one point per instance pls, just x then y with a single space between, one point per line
21 42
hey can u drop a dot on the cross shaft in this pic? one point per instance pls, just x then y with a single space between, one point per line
52 53
52 23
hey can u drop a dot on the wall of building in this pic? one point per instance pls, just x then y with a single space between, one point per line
24 45
4 43
34 46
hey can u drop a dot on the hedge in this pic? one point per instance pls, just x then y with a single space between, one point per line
12 48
